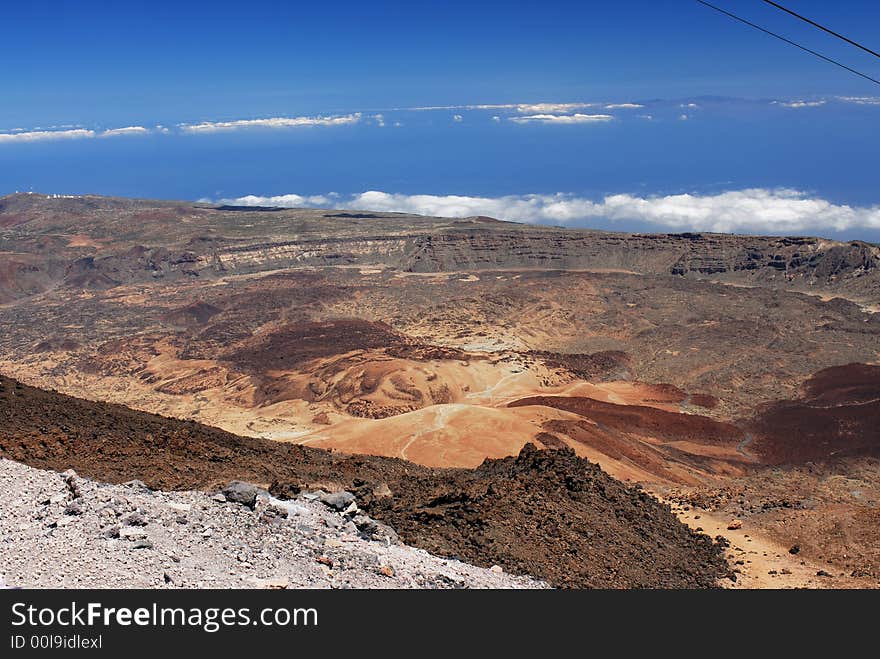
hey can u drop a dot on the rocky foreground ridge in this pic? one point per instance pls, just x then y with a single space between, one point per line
64 531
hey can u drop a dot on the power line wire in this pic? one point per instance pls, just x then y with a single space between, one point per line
789 41
822 27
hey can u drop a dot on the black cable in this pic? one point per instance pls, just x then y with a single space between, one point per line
789 41
822 27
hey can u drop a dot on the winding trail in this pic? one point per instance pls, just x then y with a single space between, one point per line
741 447
441 416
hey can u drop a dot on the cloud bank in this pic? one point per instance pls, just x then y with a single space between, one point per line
562 118
800 104
274 122
551 108
42 135
285 200
754 210
69 134
37 135
127 130
526 108
861 100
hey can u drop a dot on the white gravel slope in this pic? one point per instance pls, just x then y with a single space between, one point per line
70 532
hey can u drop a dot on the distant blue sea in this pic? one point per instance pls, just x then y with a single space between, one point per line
829 151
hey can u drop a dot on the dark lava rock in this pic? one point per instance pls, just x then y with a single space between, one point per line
138 486
338 500
241 492
136 518
110 532
73 508
273 514
366 525
284 490
531 514
370 529
70 479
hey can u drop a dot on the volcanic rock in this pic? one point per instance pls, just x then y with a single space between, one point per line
240 492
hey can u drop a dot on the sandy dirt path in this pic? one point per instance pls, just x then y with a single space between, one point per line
762 562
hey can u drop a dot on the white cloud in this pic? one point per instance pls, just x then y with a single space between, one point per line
861 100
380 120
41 135
755 210
457 117
53 127
562 118
496 118
430 108
522 108
623 106
286 200
496 106
800 104
274 122
751 210
127 130
550 108
646 117
683 117
69 134
688 105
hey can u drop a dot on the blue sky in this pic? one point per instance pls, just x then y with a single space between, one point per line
723 109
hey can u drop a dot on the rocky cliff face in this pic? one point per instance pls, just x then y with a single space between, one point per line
810 261
818 259
368 250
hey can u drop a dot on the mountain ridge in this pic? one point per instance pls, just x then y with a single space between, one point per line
93 242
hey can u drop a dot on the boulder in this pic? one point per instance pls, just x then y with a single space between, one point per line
73 508
339 501
136 518
242 493
138 486
111 532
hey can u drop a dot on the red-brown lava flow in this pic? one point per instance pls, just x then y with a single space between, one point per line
297 343
640 419
838 416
